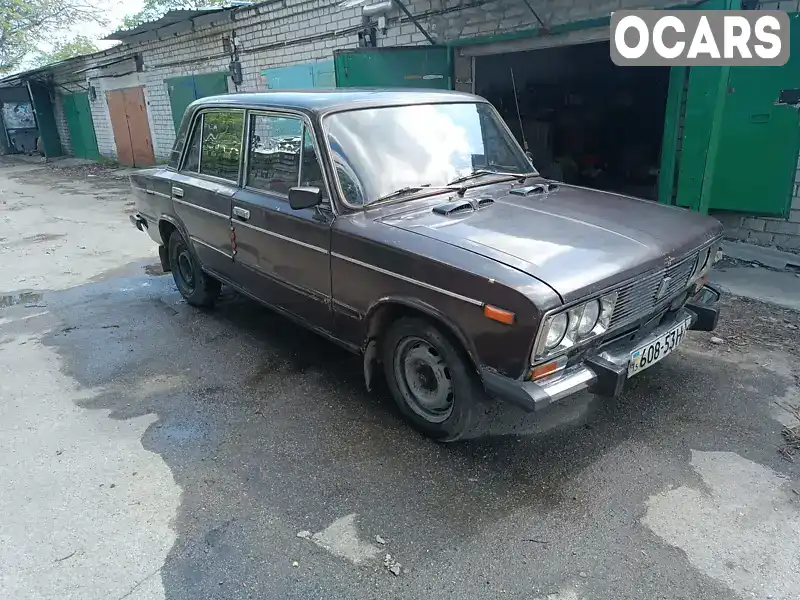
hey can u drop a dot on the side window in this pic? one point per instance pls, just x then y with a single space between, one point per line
274 161
192 161
310 170
222 141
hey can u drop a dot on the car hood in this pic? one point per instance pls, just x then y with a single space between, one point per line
574 239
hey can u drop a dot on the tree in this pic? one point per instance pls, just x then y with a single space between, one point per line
155 9
64 49
26 23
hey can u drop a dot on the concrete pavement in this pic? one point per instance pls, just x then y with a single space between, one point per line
151 450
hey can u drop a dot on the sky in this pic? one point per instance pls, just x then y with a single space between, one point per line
117 9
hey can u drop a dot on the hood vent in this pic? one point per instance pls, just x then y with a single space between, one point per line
452 208
530 190
461 206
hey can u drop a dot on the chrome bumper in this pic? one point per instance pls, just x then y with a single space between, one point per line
605 373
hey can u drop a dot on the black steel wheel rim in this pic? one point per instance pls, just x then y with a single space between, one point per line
186 267
424 379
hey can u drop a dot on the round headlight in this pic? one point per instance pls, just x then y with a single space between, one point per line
591 312
557 331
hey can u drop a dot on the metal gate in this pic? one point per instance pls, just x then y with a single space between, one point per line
131 127
183 91
49 140
730 142
81 128
400 66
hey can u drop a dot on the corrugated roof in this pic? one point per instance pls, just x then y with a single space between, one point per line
171 18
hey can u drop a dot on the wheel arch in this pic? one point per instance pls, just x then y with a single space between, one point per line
385 311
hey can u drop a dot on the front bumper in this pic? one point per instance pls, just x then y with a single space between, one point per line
604 372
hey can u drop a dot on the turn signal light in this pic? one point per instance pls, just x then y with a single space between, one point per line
545 369
498 314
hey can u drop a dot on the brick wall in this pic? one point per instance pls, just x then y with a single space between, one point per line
61 125
298 31
781 233
276 34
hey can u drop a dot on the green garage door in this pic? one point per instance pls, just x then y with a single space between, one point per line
402 66
185 90
81 127
753 167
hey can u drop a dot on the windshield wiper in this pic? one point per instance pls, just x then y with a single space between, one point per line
481 172
418 188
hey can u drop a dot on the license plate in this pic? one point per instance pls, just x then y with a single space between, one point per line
649 354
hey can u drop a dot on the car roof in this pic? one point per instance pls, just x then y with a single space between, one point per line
334 99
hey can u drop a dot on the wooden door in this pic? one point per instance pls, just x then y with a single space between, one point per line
131 127
119 124
139 127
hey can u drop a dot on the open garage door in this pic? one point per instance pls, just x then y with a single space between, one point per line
400 66
81 127
752 168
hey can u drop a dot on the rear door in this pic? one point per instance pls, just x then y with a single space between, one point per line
401 66
282 255
205 183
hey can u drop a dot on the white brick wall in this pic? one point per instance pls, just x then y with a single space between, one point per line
296 31
782 233
61 124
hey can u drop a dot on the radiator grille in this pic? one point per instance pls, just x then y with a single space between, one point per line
637 298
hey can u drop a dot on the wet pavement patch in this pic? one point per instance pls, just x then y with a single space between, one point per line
268 431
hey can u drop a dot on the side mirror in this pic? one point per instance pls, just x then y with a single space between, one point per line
304 197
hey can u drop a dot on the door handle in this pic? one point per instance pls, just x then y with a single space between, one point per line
241 213
177 192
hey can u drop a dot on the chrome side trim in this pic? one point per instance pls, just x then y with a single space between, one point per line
281 237
308 292
201 208
151 192
209 246
408 279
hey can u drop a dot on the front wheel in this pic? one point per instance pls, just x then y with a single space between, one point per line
196 286
431 381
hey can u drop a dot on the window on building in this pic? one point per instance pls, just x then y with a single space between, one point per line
222 142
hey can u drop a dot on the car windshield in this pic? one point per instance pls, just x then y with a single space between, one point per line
379 151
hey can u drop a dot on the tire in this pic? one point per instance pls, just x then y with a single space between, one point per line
432 381
197 287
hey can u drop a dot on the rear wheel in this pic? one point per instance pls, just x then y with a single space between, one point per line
431 380
196 286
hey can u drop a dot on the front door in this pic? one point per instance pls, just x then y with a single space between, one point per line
282 255
205 183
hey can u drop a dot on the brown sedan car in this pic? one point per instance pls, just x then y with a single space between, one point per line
410 227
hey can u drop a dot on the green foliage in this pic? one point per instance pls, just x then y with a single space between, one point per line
63 50
26 23
155 9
